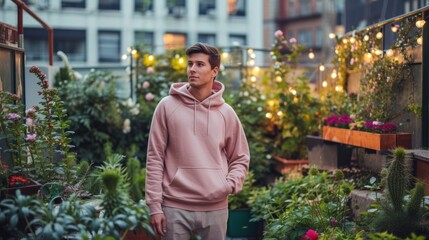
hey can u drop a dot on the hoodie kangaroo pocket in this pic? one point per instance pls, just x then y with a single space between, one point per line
198 184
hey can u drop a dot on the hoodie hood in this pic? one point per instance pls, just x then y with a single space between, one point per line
215 100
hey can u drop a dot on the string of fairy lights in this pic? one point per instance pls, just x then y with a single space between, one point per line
368 38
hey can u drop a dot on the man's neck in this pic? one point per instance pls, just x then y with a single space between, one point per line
200 94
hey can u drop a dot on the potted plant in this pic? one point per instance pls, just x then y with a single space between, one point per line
292 110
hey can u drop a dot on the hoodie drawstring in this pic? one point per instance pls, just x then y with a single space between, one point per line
195 118
208 116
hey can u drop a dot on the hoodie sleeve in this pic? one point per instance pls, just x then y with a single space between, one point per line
237 151
157 144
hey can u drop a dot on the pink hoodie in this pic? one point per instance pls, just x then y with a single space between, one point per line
197 152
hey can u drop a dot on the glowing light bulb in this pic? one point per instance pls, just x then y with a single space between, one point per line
225 55
420 40
394 27
367 57
345 40
378 52
269 115
379 35
338 88
332 35
253 78
322 68
366 38
311 55
420 23
352 40
279 113
389 52
334 74
324 84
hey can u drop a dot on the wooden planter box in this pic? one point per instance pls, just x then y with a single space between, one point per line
375 141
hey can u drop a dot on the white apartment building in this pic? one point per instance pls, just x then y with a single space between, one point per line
96 33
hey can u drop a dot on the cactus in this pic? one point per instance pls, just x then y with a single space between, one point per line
398 216
415 204
397 179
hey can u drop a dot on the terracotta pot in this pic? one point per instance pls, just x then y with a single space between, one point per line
285 166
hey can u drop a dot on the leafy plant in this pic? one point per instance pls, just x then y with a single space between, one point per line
251 100
318 201
37 140
292 110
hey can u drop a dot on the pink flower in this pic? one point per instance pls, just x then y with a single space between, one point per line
13 116
149 96
146 84
150 70
29 122
310 235
31 137
30 112
292 40
278 34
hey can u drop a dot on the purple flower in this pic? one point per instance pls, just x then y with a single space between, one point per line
388 128
13 116
31 137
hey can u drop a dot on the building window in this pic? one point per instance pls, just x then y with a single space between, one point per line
237 40
143 6
109 46
176 8
291 8
207 7
145 38
174 40
73 4
36 44
304 7
71 42
304 38
237 7
207 38
109 5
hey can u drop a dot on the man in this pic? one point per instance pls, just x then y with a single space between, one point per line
197 154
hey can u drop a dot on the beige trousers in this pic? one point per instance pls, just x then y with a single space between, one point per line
183 224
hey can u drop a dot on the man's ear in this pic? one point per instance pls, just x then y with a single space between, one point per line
215 72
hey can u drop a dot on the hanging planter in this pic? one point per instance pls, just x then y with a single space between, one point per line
369 140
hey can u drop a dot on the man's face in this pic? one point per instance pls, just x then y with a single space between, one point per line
199 70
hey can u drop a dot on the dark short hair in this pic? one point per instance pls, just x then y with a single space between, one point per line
213 52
